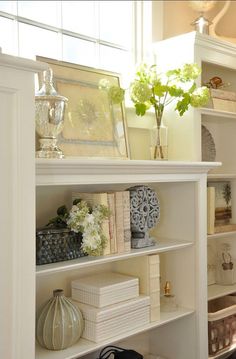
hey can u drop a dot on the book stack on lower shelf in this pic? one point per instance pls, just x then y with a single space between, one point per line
111 304
147 269
117 227
223 100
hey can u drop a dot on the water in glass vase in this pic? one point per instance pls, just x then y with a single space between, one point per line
159 143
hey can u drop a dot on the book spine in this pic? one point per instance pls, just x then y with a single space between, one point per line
119 222
126 216
224 95
112 222
210 210
147 269
224 105
154 286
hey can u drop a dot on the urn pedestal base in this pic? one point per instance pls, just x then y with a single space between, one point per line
49 149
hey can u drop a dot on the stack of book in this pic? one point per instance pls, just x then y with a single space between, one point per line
117 227
223 100
147 269
110 304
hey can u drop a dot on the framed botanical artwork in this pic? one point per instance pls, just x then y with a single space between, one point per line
223 211
94 126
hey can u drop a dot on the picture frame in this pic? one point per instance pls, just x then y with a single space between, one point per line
223 210
93 125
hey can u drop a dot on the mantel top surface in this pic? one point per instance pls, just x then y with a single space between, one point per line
116 163
74 170
21 63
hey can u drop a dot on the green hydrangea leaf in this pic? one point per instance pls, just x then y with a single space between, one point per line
160 90
175 91
140 109
182 105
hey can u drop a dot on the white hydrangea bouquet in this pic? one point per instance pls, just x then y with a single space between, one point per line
86 220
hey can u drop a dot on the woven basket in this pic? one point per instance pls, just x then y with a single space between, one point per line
221 324
57 244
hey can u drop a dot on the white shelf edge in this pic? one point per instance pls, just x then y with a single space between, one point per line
90 171
84 346
219 176
222 353
88 261
223 234
218 113
216 290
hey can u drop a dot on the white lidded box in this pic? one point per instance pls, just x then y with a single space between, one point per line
105 288
103 323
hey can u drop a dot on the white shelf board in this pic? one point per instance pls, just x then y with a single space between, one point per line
224 353
217 290
217 113
221 176
84 346
88 261
220 235
76 171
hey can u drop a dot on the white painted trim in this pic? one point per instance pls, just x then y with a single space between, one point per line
21 63
89 171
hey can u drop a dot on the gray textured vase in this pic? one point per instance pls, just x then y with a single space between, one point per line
60 323
144 214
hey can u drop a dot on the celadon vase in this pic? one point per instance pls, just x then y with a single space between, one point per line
60 323
159 143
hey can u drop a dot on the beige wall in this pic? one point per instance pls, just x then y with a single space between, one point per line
178 16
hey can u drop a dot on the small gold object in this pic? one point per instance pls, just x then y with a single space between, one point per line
167 289
168 303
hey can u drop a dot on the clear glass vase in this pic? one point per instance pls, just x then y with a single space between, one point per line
159 143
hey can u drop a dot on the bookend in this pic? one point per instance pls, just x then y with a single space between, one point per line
118 353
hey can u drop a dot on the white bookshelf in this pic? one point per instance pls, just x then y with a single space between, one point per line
180 238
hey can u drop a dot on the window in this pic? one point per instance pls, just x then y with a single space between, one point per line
94 33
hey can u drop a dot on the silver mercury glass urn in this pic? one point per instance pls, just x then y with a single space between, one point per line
49 117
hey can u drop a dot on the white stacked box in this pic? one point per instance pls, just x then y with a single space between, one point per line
110 304
104 323
105 289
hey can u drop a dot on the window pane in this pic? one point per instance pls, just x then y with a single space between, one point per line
46 12
7 42
78 51
114 60
79 17
8 6
116 22
35 41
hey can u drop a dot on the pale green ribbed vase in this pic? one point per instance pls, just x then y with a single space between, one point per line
60 323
